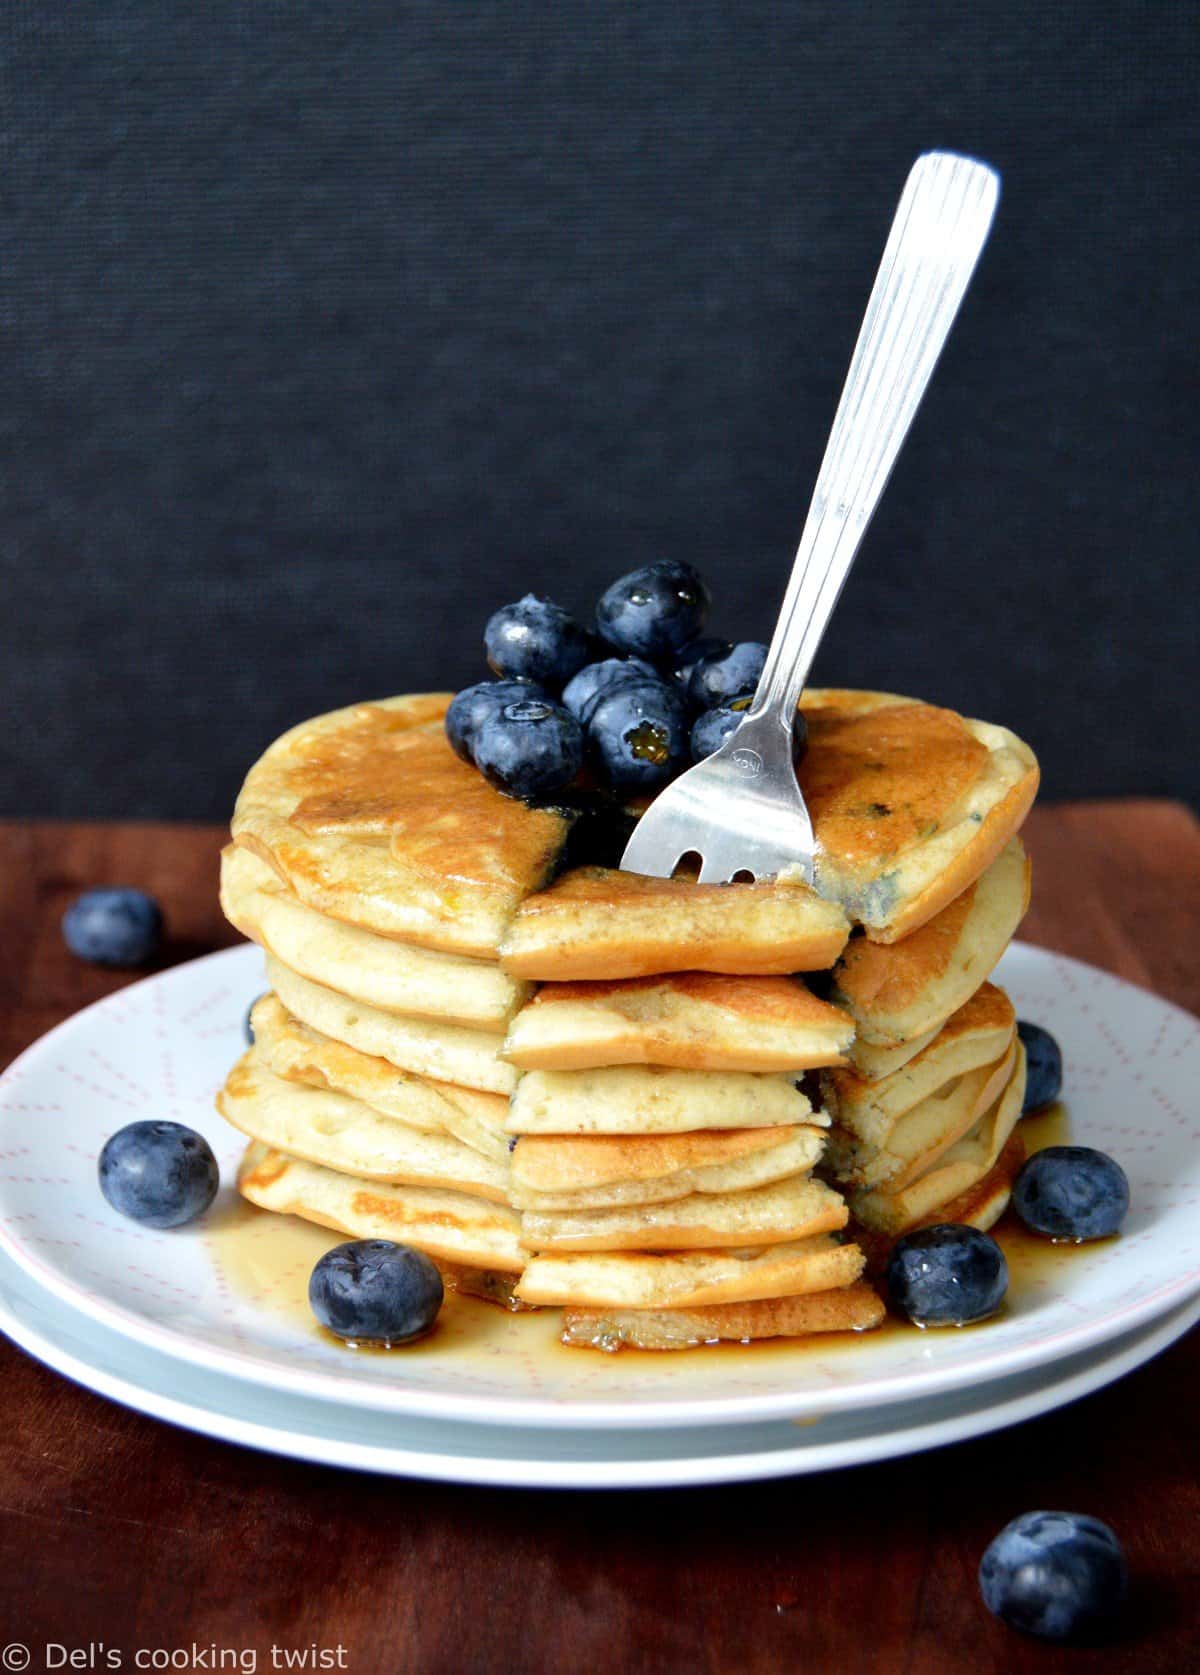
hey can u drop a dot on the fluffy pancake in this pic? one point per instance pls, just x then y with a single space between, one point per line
977 1034
910 1144
368 816
300 1054
796 1208
875 1062
346 1135
595 923
954 1173
450 1226
851 1308
393 976
910 803
648 1099
771 1155
904 989
687 1279
443 1052
980 1206
695 1020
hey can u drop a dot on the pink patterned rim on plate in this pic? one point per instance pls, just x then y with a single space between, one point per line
161 1049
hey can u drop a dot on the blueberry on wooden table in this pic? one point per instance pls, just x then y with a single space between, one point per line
374 1291
1059 1575
1043 1066
161 1174
1071 1193
535 639
948 1275
114 927
470 708
655 611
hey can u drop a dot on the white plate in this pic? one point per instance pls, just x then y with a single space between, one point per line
162 1047
332 1433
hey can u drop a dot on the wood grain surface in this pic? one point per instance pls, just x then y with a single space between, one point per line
118 1533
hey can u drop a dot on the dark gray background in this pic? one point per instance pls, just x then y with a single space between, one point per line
328 328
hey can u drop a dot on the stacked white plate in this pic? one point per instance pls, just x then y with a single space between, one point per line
153 1320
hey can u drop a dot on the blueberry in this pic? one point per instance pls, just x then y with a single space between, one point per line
715 680
531 748
947 1275
471 707
159 1173
1059 1575
119 927
638 733
697 651
537 640
375 1291
248 1020
710 730
1043 1066
655 611
1071 1192
582 689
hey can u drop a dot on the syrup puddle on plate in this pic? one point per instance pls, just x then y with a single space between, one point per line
266 1260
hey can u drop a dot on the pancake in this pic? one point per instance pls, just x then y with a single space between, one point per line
692 1021
910 803
594 923
367 815
977 1034
789 1151
955 1172
392 976
442 1052
648 1099
346 1135
300 1054
796 1208
875 1062
851 1308
449 1226
687 1279
900 991
979 1206
912 1143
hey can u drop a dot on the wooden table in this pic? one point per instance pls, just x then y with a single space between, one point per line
120 1530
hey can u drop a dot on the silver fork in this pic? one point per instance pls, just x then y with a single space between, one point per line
741 810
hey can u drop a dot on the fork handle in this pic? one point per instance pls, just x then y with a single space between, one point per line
939 229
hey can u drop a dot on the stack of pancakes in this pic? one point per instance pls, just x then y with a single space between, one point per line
636 1139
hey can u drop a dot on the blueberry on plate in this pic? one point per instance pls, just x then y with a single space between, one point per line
1043 1066
582 689
699 651
531 748
248 1020
375 1291
471 707
715 680
638 734
948 1275
118 927
159 1173
655 611
710 730
535 639
1071 1192
1059 1575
